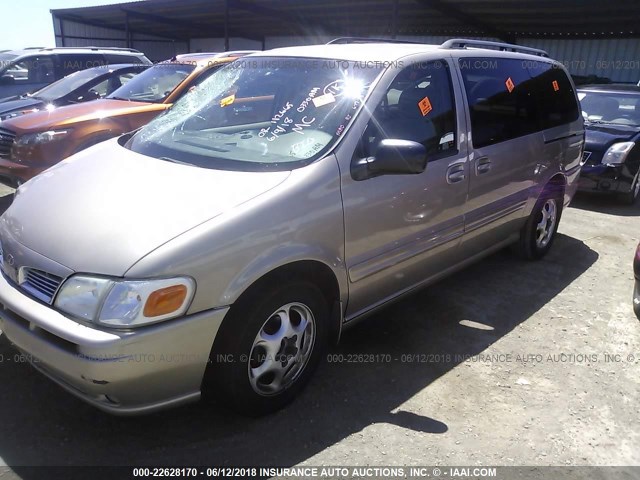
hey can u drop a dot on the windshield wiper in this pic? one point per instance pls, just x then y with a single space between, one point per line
173 160
120 98
606 122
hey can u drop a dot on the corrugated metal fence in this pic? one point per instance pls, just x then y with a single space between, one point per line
616 59
79 35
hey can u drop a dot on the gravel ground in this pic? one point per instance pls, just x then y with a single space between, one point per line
505 363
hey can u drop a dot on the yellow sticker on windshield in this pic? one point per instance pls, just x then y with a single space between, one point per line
226 101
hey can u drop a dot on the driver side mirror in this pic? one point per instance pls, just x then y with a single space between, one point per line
7 80
393 157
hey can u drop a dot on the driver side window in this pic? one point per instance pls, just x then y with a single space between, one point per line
418 106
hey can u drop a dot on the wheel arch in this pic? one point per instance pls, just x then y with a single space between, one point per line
313 271
556 184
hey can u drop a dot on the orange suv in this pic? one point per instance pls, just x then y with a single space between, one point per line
32 143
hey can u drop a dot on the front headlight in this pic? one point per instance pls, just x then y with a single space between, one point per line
125 303
42 137
617 153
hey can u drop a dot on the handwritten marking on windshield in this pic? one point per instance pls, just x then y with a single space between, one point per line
305 103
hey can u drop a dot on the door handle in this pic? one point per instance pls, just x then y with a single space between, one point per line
483 165
455 173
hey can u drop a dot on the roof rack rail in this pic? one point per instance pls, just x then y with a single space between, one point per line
236 53
117 49
505 47
348 40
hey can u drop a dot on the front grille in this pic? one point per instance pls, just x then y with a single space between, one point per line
41 285
589 158
7 137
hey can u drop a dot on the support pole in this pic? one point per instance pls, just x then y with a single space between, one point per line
394 20
226 25
62 38
127 32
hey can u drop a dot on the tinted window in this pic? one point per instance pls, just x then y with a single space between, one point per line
70 63
418 106
554 94
113 58
108 86
154 84
502 104
32 71
67 84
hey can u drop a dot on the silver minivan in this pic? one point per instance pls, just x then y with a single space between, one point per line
217 251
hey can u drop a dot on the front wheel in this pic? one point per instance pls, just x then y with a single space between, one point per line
267 348
631 196
538 234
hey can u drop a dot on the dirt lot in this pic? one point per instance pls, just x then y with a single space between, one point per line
505 363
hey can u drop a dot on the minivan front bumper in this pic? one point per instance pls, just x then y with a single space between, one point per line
121 372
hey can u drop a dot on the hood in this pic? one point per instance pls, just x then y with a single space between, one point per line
599 137
78 113
19 104
102 210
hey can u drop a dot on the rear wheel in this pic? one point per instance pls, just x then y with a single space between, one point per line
538 234
267 348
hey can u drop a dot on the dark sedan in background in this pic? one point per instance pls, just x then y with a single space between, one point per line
79 87
612 154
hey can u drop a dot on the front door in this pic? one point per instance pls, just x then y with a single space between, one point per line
403 229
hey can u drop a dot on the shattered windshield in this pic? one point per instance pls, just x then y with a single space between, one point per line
260 113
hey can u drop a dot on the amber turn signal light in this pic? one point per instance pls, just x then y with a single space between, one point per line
165 300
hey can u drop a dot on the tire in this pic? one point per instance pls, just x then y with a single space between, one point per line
636 298
631 196
263 356
538 234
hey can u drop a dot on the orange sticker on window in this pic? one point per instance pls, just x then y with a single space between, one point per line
556 87
425 106
510 85
226 101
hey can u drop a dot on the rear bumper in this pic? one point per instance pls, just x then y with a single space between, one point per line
121 372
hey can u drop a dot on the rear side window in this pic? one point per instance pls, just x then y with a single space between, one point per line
70 63
501 98
111 84
114 58
32 71
555 96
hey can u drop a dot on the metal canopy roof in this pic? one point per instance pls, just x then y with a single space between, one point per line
257 19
